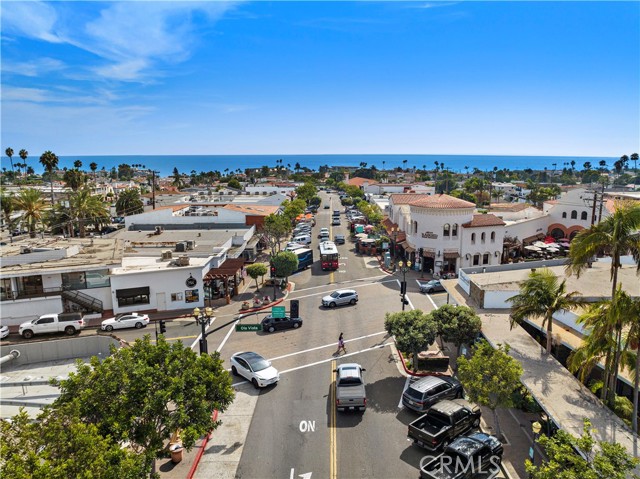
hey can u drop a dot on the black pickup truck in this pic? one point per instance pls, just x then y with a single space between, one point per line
477 456
443 422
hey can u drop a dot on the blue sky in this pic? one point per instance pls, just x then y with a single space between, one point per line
494 78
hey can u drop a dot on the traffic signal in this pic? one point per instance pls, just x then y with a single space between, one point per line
163 327
295 308
403 288
273 271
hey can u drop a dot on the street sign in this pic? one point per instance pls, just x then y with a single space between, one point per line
278 312
248 327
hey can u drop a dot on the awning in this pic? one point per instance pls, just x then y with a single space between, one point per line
530 239
451 255
429 254
229 268
409 249
132 292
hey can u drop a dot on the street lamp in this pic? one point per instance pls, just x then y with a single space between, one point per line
536 427
404 267
203 318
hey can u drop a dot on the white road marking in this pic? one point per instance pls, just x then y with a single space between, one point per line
193 345
330 345
371 279
331 289
410 303
432 302
231 329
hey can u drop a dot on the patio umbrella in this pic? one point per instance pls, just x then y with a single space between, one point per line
552 249
540 244
532 248
368 228
362 236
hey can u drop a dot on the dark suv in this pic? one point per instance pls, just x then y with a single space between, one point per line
271 324
425 392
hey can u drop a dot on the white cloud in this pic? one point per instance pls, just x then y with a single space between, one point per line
33 68
36 95
32 20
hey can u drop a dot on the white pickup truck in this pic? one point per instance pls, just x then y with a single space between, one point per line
350 390
69 323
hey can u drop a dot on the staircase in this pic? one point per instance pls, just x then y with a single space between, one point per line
90 304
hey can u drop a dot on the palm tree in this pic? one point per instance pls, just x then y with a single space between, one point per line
77 164
30 203
87 208
616 235
542 296
129 203
7 206
383 162
404 163
587 165
50 161
9 153
466 168
93 166
634 158
24 154
633 341
603 165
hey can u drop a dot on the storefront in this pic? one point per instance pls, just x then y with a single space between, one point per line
223 282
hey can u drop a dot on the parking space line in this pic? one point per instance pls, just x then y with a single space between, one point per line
406 385
432 301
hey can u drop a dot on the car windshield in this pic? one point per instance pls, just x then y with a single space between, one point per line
335 294
258 363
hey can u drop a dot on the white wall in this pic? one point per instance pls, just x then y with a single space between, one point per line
433 220
478 247
526 228
268 189
16 312
166 216
498 299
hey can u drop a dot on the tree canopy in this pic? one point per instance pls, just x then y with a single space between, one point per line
276 228
414 331
255 271
457 324
286 263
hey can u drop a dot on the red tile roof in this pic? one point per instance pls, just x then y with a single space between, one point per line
357 181
442 202
479 221
406 198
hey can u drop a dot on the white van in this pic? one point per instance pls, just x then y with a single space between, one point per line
303 239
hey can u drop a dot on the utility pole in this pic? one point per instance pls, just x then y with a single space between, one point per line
601 203
593 210
153 189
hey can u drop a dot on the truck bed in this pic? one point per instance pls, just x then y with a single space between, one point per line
351 396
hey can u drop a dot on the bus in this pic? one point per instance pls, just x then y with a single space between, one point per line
305 258
329 256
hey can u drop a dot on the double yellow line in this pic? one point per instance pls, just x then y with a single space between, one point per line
333 450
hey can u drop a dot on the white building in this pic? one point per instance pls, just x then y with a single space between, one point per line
271 188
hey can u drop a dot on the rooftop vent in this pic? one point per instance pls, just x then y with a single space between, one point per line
158 230
167 255
183 260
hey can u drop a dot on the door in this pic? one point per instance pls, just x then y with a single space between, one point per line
45 325
161 301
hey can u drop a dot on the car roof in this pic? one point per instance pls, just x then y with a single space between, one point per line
349 370
427 383
345 291
448 407
248 355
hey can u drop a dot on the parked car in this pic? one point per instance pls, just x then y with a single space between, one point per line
271 324
431 286
475 456
443 422
69 323
339 239
302 239
254 368
340 298
4 331
350 391
122 321
294 247
425 392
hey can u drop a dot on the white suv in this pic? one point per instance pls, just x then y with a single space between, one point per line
340 297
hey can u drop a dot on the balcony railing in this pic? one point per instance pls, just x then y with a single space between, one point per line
30 293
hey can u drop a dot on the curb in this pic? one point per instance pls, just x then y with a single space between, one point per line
411 373
203 444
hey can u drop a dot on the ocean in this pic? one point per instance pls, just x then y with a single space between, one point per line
186 163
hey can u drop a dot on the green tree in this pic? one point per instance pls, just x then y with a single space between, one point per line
353 191
77 164
541 296
9 153
24 154
234 183
7 205
616 235
257 270
177 178
457 324
129 203
601 460
276 228
306 192
633 342
292 209
74 179
50 162
490 377
286 263
146 392
93 166
87 209
414 331
32 207
59 446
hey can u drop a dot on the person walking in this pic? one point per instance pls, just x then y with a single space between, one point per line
341 344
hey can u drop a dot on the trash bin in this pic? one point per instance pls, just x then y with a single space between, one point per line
176 453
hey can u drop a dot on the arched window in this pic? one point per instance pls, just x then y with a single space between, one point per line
415 227
454 231
476 259
493 236
483 236
473 238
583 216
574 215
447 230
564 214
485 258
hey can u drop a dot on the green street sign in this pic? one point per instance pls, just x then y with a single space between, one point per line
248 327
278 312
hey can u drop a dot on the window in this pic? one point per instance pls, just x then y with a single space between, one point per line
447 230
476 259
564 214
415 227
483 237
473 238
5 289
131 296
454 231
574 215
29 285
583 216
493 236
485 258
45 320
86 280
176 296
191 296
